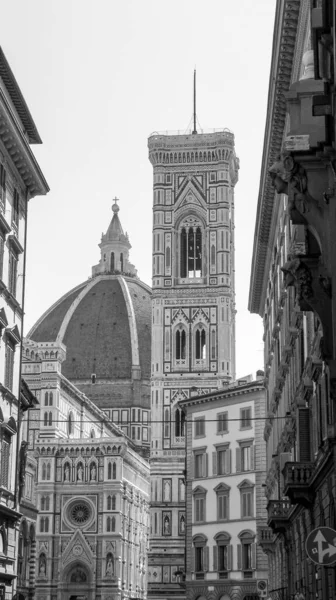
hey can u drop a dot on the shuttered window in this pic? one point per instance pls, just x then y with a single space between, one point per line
5 455
9 366
199 510
222 422
223 507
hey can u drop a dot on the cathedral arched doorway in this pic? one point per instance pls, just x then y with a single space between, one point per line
77 583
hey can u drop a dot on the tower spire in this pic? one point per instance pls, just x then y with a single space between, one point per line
195 130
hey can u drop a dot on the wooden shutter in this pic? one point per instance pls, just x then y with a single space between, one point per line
239 557
253 448
253 556
238 460
215 558
303 427
230 557
206 558
228 461
214 463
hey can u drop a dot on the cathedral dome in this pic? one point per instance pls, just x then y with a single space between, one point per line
105 325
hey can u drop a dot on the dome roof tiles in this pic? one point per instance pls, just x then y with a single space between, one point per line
105 324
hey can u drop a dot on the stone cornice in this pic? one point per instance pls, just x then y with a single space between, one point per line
283 56
19 151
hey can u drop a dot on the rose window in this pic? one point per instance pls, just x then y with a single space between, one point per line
80 513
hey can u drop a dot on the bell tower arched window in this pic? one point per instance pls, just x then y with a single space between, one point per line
180 341
200 344
191 252
112 261
122 262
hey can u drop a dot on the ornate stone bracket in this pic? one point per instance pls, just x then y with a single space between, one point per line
313 288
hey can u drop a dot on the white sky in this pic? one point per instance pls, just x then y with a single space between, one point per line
99 76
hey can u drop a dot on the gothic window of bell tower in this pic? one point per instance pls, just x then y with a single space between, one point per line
200 343
180 344
191 252
112 261
121 262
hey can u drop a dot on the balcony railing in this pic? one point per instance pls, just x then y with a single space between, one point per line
278 515
266 538
297 477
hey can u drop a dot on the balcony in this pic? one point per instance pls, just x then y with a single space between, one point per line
278 515
297 477
266 539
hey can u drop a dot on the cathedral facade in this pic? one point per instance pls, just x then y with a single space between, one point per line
193 318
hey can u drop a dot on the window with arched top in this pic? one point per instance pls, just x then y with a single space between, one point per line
51 398
45 419
200 343
180 344
92 434
50 419
43 503
246 551
109 502
113 524
108 524
114 471
179 422
48 471
113 502
222 554
46 399
121 262
191 252
200 552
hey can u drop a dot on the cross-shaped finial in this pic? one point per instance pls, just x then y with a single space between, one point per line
115 206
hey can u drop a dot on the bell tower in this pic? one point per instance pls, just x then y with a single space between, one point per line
193 325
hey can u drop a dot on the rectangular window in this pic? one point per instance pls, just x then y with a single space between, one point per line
246 504
199 510
223 507
212 176
222 422
12 273
124 416
168 178
200 427
115 416
199 559
5 453
9 366
247 557
15 210
246 462
222 558
200 463
223 461
245 418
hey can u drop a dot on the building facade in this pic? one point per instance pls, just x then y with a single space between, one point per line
225 470
193 324
293 282
20 180
91 492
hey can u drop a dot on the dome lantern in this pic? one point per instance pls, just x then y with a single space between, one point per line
114 249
